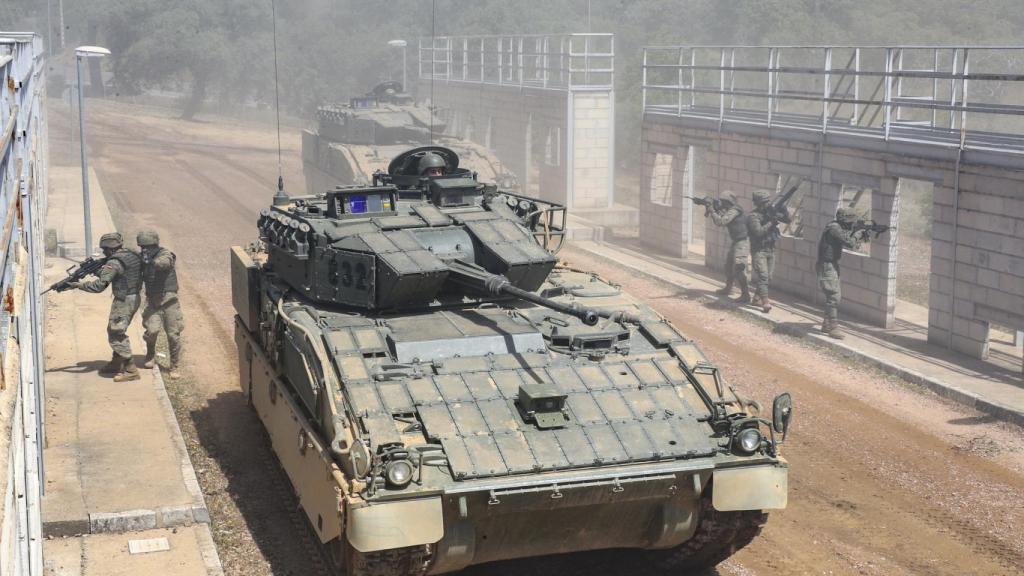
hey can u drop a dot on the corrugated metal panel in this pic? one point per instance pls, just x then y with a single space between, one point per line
23 178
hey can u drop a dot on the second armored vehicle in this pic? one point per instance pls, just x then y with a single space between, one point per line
352 141
442 393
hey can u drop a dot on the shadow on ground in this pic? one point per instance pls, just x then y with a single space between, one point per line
81 367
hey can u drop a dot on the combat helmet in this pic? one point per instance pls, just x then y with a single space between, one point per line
846 215
112 240
731 198
762 196
147 237
430 160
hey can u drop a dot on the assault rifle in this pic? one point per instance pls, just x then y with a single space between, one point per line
87 267
866 227
777 209
710 204
706 201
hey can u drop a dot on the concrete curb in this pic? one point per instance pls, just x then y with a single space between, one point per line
208 549
937 385
198 512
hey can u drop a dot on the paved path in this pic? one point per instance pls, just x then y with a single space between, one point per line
116 464
995 387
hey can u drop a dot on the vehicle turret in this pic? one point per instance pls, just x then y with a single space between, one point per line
409 240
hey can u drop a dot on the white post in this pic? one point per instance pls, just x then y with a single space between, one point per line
85 161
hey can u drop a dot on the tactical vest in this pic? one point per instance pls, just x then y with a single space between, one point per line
128 282
161 281
738 227
828 249
766 242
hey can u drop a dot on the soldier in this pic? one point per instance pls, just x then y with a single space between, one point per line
763 227
162 309
729 214
838 234
123 273
431 165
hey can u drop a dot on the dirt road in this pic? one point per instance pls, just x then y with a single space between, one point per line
885 479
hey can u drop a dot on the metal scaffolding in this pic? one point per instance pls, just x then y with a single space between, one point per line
547 61
23 152
953 96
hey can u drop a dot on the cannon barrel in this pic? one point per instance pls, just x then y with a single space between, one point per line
478 278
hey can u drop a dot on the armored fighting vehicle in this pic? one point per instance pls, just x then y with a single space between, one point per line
442 392
354 140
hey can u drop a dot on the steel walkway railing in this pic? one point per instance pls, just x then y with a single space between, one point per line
956 96
546 61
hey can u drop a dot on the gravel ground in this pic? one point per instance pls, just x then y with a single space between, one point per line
886 479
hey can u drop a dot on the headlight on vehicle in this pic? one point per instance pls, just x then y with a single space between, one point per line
748 440
398 473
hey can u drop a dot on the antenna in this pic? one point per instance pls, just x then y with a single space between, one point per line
433 64
280 197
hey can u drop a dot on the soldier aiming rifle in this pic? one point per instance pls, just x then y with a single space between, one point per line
121 269
763 227
726 212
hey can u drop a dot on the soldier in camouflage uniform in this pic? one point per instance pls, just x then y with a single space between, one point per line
162 311
123 273
838 235
729 214
763 227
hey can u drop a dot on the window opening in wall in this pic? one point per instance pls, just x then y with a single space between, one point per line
914 256
661 179
859 199
795 205
553 147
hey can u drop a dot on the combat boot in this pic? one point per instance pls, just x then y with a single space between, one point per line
173 373
834 331
766 305
744 298
150 360
112 367
128 373
724 290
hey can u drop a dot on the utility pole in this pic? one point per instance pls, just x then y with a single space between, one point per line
81 53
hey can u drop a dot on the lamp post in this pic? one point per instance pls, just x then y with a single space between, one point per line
401 44
80 53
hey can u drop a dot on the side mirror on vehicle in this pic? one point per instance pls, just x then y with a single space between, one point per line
782 412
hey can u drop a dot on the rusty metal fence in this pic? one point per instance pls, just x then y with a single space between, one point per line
22 203
548 61
967 97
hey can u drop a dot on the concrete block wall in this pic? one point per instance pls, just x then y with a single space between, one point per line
664 227
593 151
521 120
977 261
980 279
744 163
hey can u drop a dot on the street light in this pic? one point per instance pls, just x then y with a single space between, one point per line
85 52
401 44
